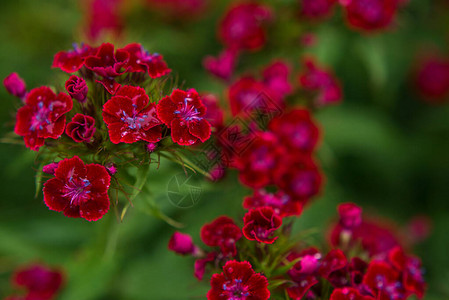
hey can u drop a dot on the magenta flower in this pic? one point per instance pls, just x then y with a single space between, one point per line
103 16
201 263
281 203
15 85
141 60
276 79
72 60
222 232
50 168
182 243
243 26
108 64
41 282
348 293
184 113
350 215
238 281
370 15
214 113
131 117
81 128
77 88
42 116
222 66
260 225
383 281
304 273
432 78
78 190
316 9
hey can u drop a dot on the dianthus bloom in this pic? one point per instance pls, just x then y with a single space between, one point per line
78 190
304 273
222 232
281 203
432 79
238 281
184 113
73 60
350 215
103 16
77 88
348 293
140 60
182 243
297 130
42 116
260 225
370 15
81 128
316 9
243 26
222 66
130 117
316 79
15 85
40 281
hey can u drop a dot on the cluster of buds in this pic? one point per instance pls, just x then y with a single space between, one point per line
115 111
364 260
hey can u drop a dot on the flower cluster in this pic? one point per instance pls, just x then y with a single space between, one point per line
112 112
39 282
354 267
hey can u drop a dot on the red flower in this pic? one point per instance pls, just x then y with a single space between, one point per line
297 130
304 273
370 15
222 232
182 243
72 60
40 281
257 162
260 225
130 117
108 64
214 114
276 79
242 26
348 293
103 16
334 261
382 280
299 177
432 79
222 66
350 215
77 88
141 60
238 281
184 113
281 203
78 190
15 85
200 265
42 116
316 9
316 79
81 128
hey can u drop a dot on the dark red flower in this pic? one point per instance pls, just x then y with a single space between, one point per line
15 85
348 293
103 16
222 66
370 15
77 88
276 79
81 128
201 263
78 190
238 282
383 281
316 9
432 78
243 26
260 225
282 204
334 261
214 113
184 113
222 232
42 116
357 268
316 79
130 117
299 177
304 273
72 60
257 162
182 243
40 281
108 64
140 60
297 130
350 215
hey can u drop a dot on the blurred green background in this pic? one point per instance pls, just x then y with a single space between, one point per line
383 148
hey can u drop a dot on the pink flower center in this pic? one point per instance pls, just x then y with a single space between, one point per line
235 290
76 190
187 111
137 121
41 117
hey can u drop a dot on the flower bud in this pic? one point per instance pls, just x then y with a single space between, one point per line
77 88
15 85
182 243
350 215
